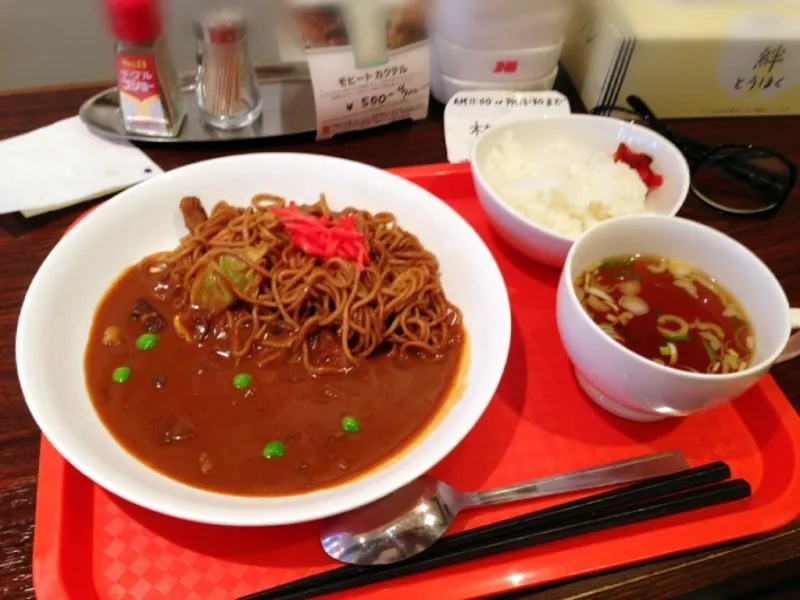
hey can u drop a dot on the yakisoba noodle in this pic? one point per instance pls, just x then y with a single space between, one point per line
396 302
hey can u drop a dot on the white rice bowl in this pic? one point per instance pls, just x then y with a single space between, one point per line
562 185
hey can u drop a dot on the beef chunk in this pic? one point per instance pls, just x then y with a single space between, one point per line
150 318
193 212
192 326
326 350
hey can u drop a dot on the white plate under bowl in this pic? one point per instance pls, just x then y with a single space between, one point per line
60 304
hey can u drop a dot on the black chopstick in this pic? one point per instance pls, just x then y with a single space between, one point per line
657 497
648 489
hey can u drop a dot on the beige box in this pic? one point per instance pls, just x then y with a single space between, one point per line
688 58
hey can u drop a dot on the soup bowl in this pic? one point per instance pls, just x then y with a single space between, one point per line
636 388
60 304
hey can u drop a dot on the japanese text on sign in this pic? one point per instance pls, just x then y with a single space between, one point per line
349 81
509 101
469 114
369 66
764 74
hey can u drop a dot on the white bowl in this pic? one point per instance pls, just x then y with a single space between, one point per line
145 219
499 66
604 133
635 388
525 30
444 87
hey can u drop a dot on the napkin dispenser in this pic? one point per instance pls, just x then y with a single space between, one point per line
688 58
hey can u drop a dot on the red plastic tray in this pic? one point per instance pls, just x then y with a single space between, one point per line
91 545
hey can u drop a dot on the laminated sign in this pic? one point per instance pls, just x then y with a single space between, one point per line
368 59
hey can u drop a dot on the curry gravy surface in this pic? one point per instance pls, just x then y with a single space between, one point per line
180 413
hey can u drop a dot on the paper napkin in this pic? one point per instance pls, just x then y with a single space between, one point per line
64 164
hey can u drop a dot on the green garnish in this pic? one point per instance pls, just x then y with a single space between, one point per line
735 319
147 341
610 264
242 380
350 424
732 358
665 351
712 355
121 374
274 449
679 338
657 313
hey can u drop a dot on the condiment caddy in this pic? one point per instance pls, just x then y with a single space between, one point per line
375 72
150 97
287 98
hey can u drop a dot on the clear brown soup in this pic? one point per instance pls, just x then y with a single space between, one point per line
180 413
668 312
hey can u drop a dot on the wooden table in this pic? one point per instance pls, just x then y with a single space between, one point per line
757 564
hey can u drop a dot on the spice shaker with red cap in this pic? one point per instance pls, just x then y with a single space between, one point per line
149 87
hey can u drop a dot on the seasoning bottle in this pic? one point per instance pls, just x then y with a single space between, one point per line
149 88
227 92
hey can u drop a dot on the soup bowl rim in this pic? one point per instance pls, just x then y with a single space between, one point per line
612 345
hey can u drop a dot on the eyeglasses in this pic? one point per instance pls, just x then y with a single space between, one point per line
734 178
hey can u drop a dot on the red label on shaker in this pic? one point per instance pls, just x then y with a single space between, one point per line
136 76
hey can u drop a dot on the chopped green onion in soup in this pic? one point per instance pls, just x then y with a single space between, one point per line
696 325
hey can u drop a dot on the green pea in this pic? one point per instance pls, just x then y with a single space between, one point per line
147 341
241 381
274 449
121 374
350 424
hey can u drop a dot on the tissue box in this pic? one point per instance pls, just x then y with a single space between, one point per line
688 58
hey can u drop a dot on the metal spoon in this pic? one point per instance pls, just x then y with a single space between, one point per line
414 517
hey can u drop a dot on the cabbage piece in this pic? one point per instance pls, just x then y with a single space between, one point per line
211 290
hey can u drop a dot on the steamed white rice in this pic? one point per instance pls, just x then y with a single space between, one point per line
562 185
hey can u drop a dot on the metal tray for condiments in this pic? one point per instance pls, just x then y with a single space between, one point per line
286 91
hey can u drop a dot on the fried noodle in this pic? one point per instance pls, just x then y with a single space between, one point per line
288 298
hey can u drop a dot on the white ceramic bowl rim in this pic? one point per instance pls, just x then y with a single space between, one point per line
52 400
697 229
492 133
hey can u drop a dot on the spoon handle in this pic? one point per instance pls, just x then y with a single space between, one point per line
626 471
